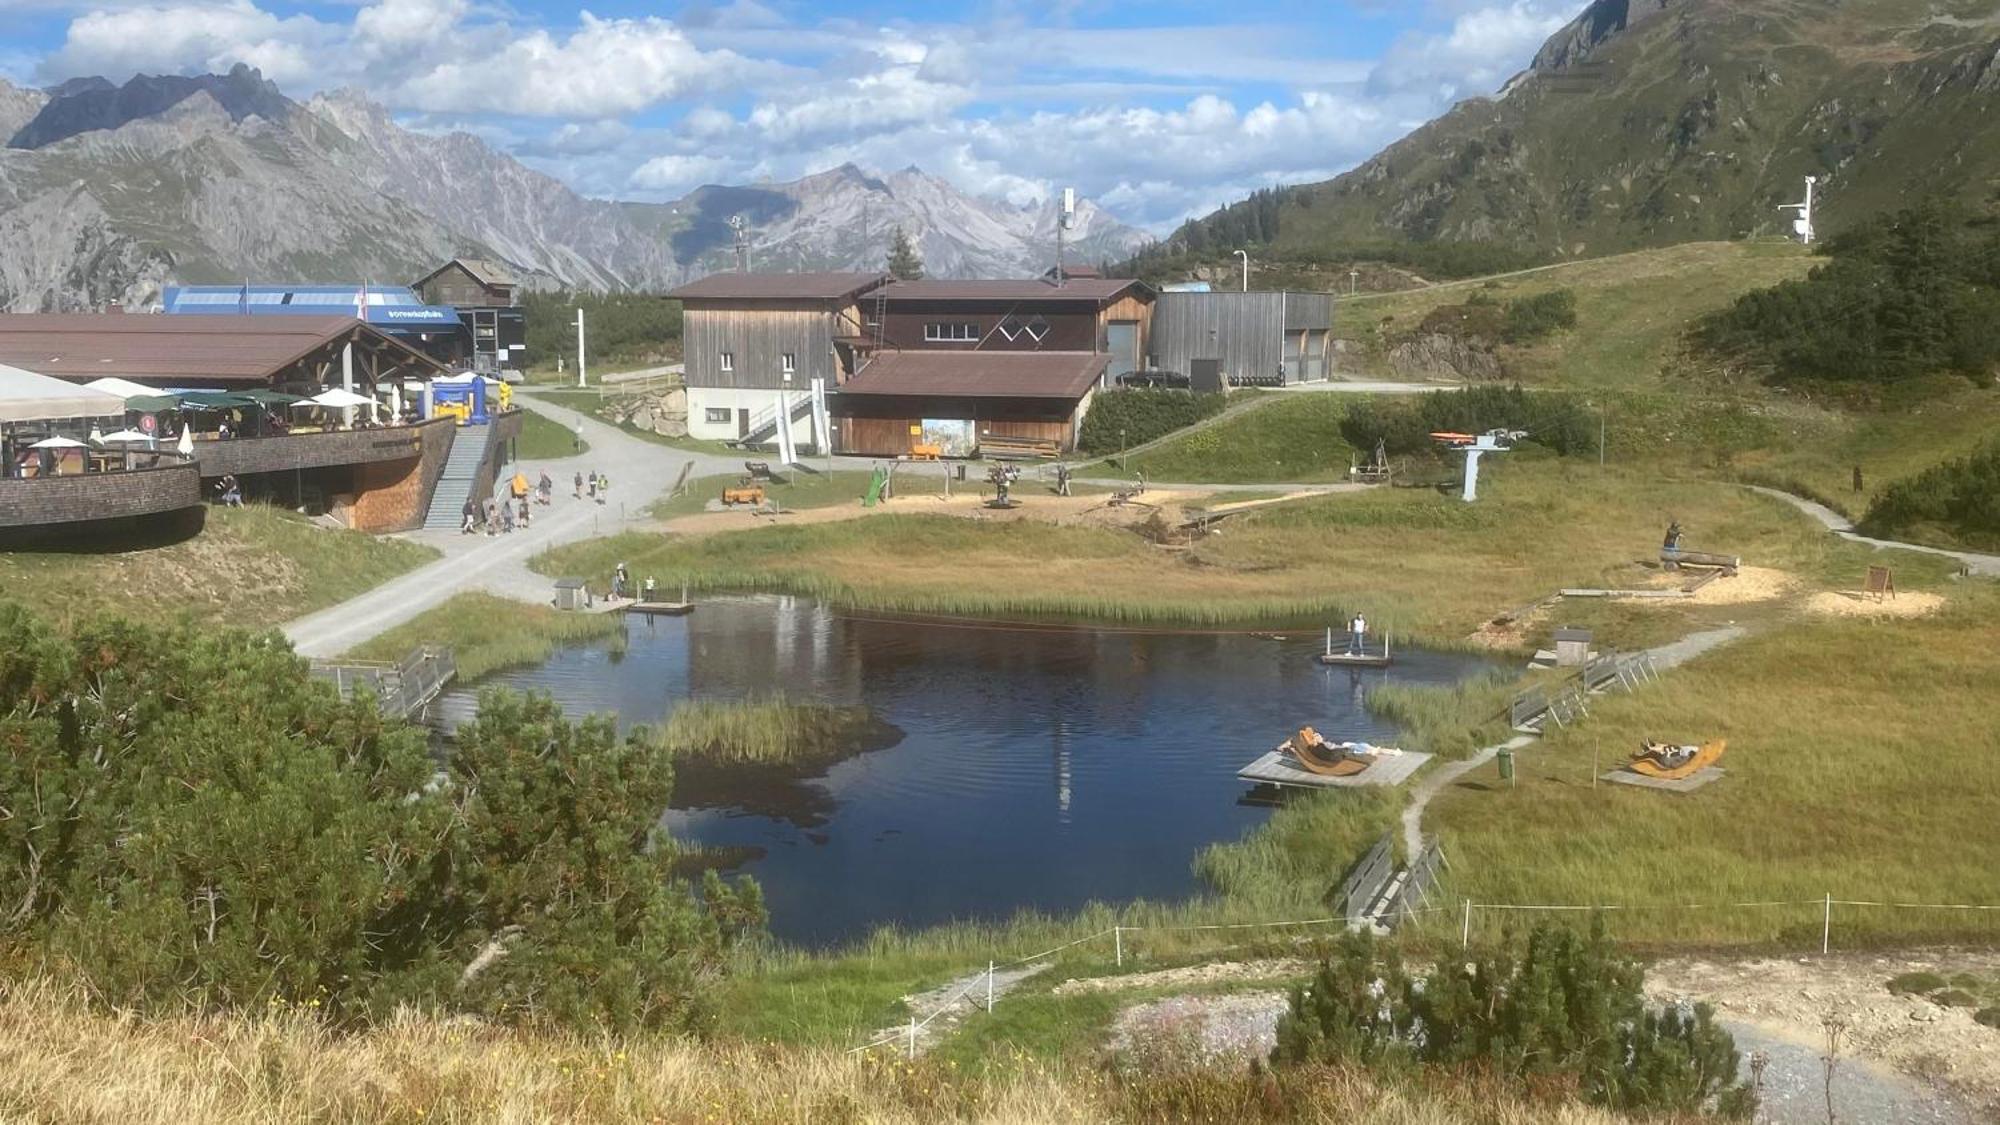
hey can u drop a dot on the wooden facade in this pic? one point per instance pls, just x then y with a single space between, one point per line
755 337
465 286
886 426
1017 326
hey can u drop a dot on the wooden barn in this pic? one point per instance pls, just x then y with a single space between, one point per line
958 401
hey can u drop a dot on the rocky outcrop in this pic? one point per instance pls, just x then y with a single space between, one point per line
660 412
1439 355
93 104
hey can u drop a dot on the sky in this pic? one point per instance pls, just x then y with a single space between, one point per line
1155 109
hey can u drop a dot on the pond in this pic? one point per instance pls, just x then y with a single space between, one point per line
1037 767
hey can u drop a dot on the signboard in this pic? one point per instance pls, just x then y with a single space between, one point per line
954 437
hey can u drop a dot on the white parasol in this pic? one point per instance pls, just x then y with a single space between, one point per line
125 435
59 443
339 398
185 445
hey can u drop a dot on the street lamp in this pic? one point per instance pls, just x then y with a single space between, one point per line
1245 255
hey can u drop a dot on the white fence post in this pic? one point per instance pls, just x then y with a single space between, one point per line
1465 934
1118 945
913 1037
1826 926
989 986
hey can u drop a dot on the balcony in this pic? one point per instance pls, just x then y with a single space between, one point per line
315 450
84 497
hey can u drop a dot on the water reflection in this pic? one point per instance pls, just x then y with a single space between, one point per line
1037 767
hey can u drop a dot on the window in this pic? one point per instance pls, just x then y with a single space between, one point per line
789 362
729 361
717 415
936 333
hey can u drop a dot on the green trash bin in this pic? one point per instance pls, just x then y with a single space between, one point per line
1506 759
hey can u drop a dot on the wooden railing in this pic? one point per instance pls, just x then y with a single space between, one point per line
403 689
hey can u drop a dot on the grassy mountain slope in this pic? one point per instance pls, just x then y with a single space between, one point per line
1649 122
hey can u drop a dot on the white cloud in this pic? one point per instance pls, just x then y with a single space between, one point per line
678 173
118 43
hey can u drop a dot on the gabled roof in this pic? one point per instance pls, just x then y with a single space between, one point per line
180 350
485 271
779 286
1096 290
1064 375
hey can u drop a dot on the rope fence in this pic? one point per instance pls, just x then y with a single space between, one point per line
907 1036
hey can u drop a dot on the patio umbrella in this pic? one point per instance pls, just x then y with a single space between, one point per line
185 446
340 399
96 436
124 436
59 442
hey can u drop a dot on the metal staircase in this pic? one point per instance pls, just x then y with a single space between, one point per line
764 424
461 471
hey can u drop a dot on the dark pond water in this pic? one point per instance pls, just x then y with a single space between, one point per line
1038 767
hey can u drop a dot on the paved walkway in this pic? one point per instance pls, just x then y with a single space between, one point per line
640 471
1985 565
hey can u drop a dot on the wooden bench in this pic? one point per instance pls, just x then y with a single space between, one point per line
1019 449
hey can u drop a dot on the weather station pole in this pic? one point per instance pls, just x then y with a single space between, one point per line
580 380
1245 255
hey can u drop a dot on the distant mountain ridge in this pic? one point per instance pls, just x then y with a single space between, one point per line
844 218
109 193
1650 122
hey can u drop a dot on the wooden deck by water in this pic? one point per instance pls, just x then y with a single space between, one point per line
1279 768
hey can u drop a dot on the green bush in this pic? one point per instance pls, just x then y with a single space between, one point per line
1534 318
1918 983
617 326
1123 419
1960 497
192 819
1987 1016
1404 425
1560 1007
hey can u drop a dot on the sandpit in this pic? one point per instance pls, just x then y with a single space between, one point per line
1749 585
1843 603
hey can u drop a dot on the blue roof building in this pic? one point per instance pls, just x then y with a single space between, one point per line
395 310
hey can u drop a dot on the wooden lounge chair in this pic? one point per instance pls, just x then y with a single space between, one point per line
1704 757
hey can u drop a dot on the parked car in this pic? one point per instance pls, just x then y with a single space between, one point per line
1171 379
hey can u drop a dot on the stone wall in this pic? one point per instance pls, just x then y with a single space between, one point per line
286 452
41 501
663 412
394 495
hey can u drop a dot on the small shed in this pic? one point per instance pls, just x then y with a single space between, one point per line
1572 647
571 593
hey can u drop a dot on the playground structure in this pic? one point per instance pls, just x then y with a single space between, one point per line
1375 470
1002 478
1674 556
1673 763
1475 446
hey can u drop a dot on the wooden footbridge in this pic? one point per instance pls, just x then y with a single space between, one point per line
403 689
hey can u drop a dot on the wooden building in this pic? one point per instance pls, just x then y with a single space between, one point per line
956 401
1256 338
487 297
1109 316
751 337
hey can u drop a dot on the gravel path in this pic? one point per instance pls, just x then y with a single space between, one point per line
640 472
1985 565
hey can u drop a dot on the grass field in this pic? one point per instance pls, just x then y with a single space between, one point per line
1860 763
1294 439
1632 309
251 567
1421 564
800 490
543 439
488 633
61 1059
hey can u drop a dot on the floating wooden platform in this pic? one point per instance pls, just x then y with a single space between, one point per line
1687 784
1279 768
661 609
1354 660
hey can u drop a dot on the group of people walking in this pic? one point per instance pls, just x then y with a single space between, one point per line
596 486
501 516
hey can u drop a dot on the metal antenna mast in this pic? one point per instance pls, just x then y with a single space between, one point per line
1064 220
1802 225
742 231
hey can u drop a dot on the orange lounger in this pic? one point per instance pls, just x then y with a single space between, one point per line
1319 756
1704 757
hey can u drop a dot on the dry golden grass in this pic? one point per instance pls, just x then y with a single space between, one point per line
61 1061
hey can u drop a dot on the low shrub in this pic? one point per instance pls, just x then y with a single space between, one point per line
1919 983
1119 420
1559 1007
1988 1016
1404 425
1960 498
1956 998
1540 316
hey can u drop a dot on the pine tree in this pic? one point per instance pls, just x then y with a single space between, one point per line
905 264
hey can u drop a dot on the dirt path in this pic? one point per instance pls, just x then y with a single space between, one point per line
940 1010
1984 565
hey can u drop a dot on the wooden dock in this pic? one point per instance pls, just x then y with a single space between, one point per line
1354 659
661 609
1279 768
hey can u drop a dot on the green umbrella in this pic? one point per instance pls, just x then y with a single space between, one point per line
215 400
271 398
152 404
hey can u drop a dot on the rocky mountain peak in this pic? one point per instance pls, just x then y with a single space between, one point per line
1602 21
92 105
